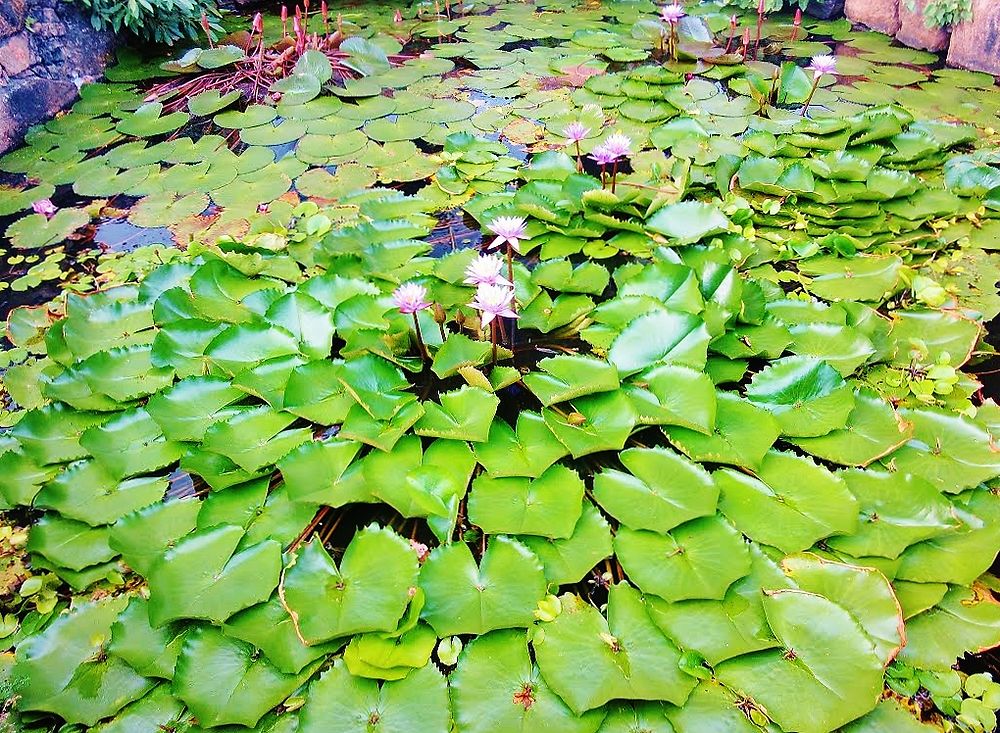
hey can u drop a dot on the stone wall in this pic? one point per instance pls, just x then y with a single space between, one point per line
48 48
972 45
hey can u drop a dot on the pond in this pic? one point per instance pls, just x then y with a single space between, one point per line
590 366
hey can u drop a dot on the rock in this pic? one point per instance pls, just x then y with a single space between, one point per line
913 30
16 54
23 102
12 16
879 15
825 9
975 44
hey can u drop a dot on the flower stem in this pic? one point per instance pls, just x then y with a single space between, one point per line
604 169
579 158
493 339
420 339
809 99
614 175
510 274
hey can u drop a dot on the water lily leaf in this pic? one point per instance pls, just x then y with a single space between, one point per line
549 505
949 450
209 102
811 502
167 209
158 708
688 222
546 315
365 57
252 116
328 459
930 334
150 651
464 599
188 408
897 510
244 346
144 535
674 395
64 671
219 56
699 559
568 560
598 422
955 556
268 627
564 378
459 351
966 618
888 715
713 708
807 397
863 277
255 438
368 592
307 320
589 277
86 491
129 444
742 435
147 122
661 490
624 656
35 231
376 385
465 414
226 681
527 451
21 477
864 592
873 430
390 656
205 576
826 673
497 687
69 544
660 337
340 702
268 134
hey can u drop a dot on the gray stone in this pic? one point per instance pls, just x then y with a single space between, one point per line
16 54
23 102
879 15
42 67
825 9
913 31
12 17
975 44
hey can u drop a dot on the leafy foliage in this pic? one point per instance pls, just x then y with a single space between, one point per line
728 470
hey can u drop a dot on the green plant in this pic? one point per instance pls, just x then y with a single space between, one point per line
770 6
944 13
159 21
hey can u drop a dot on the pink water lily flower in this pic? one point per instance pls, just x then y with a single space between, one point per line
410 298
619 145
672 13
44 207
603 154
823 65
485 270
575 132
493 301
510 230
